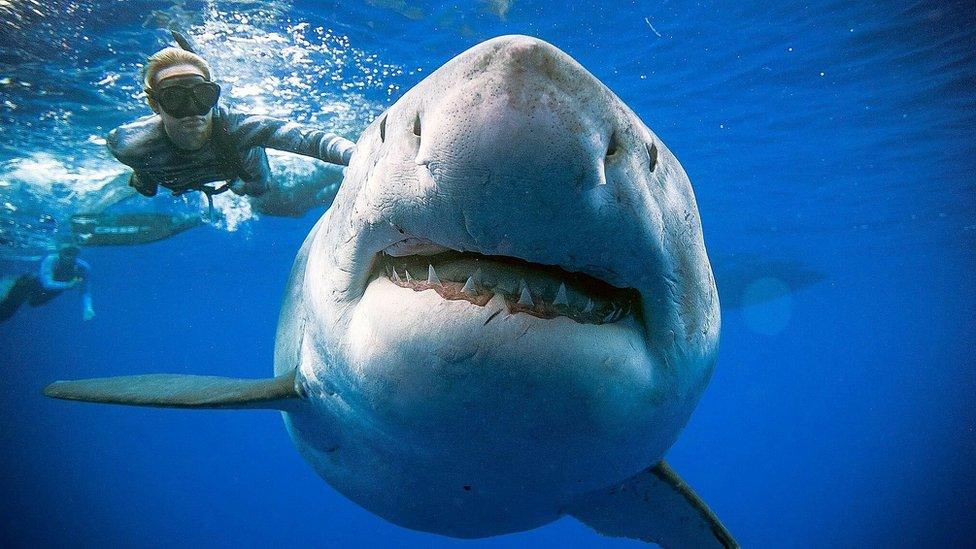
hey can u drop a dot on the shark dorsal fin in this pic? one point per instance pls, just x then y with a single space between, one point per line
182 391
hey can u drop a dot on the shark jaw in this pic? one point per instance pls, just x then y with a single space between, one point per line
491 396
542 291
535 344
431 290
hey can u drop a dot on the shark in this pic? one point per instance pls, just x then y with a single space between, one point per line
506 317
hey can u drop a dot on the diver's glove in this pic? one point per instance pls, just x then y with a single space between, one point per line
347 153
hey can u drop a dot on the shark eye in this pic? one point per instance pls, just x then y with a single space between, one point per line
652 156
416 126
383 130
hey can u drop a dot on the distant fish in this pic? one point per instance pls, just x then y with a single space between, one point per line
736 274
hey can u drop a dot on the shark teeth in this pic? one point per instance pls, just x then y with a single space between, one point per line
560 298
469 286
432 275
525 299
612 315
543 292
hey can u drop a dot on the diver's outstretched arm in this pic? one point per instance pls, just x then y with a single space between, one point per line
282 135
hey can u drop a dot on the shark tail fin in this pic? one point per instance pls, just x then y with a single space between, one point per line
654 506
182 391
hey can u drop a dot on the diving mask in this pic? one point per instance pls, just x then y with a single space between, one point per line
182 100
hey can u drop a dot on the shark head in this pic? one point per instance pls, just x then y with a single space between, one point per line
508 305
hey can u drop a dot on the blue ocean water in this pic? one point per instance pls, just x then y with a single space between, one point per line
831 147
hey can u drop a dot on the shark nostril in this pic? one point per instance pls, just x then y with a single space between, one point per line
416 125
612 145
652 156
383 129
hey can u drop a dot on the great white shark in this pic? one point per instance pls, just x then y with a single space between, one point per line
506 316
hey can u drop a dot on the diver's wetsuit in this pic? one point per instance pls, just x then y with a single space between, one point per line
54 277
234 151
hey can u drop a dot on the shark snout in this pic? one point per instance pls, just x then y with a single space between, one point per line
515 150
531 117
529 68
513 163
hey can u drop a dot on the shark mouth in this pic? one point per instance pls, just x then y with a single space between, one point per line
543 291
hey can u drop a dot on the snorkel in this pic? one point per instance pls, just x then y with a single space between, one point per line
182 42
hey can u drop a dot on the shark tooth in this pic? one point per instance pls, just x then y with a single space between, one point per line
525 299
409 279
622 311
396 277
561 296
503 301
432 276
469 286
589 306
610 315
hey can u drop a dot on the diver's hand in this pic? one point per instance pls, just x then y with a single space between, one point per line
347 154
88 314
145 189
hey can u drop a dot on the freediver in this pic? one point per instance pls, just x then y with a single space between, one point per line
58 272
191 140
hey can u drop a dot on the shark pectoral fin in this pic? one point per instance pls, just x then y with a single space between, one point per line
182 391
654 506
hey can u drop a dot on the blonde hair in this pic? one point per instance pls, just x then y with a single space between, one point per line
171 57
